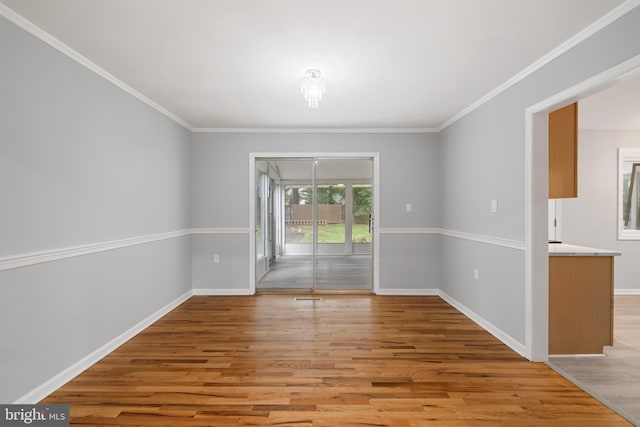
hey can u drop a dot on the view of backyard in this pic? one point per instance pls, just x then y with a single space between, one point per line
330 213
327 233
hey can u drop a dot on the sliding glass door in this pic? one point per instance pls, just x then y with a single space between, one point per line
313 224
284 220
337 265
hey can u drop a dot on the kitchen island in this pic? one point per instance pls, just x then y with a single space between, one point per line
580 299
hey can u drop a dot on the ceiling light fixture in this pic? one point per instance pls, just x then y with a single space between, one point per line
312 87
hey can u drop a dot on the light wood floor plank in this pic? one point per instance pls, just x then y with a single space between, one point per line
342 361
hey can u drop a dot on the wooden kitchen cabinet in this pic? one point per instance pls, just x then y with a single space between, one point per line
580 304
563 152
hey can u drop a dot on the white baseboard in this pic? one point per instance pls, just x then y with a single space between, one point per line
488 326
74 370
222 292
573 356
415 292
626 291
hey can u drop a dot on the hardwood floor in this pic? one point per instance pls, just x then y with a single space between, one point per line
341 361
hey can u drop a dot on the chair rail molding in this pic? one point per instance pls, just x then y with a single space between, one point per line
31 258
497 241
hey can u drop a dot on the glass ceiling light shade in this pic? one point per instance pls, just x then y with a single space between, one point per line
312 87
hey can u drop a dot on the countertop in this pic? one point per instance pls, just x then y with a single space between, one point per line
562 249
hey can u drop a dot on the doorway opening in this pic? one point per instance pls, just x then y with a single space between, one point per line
537 205
597 196
314 223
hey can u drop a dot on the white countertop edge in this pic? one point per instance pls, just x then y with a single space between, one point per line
562 249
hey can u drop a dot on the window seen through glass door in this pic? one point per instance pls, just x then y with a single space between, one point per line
361 232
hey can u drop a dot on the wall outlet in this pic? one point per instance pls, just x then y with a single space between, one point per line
216 258
476 274
409 207
494 206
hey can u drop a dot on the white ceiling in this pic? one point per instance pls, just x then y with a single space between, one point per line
389 64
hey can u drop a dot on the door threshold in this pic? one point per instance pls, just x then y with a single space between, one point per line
283 291
308 291
344 291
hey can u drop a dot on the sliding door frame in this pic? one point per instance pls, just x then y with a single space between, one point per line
375 249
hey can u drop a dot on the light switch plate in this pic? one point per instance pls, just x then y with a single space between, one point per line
494 206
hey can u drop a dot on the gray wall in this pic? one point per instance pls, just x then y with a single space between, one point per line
409 173
591 219
81 162
483 158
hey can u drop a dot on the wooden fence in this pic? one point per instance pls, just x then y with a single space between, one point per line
327 214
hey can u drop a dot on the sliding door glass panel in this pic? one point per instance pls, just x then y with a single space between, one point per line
299 219
342 192
331 218
260 219
362 218
290 217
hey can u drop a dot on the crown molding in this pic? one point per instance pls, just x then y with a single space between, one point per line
315 130
578 38
38 32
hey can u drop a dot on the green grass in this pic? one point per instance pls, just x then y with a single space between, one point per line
334 233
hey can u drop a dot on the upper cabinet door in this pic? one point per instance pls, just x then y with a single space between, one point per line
563 152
